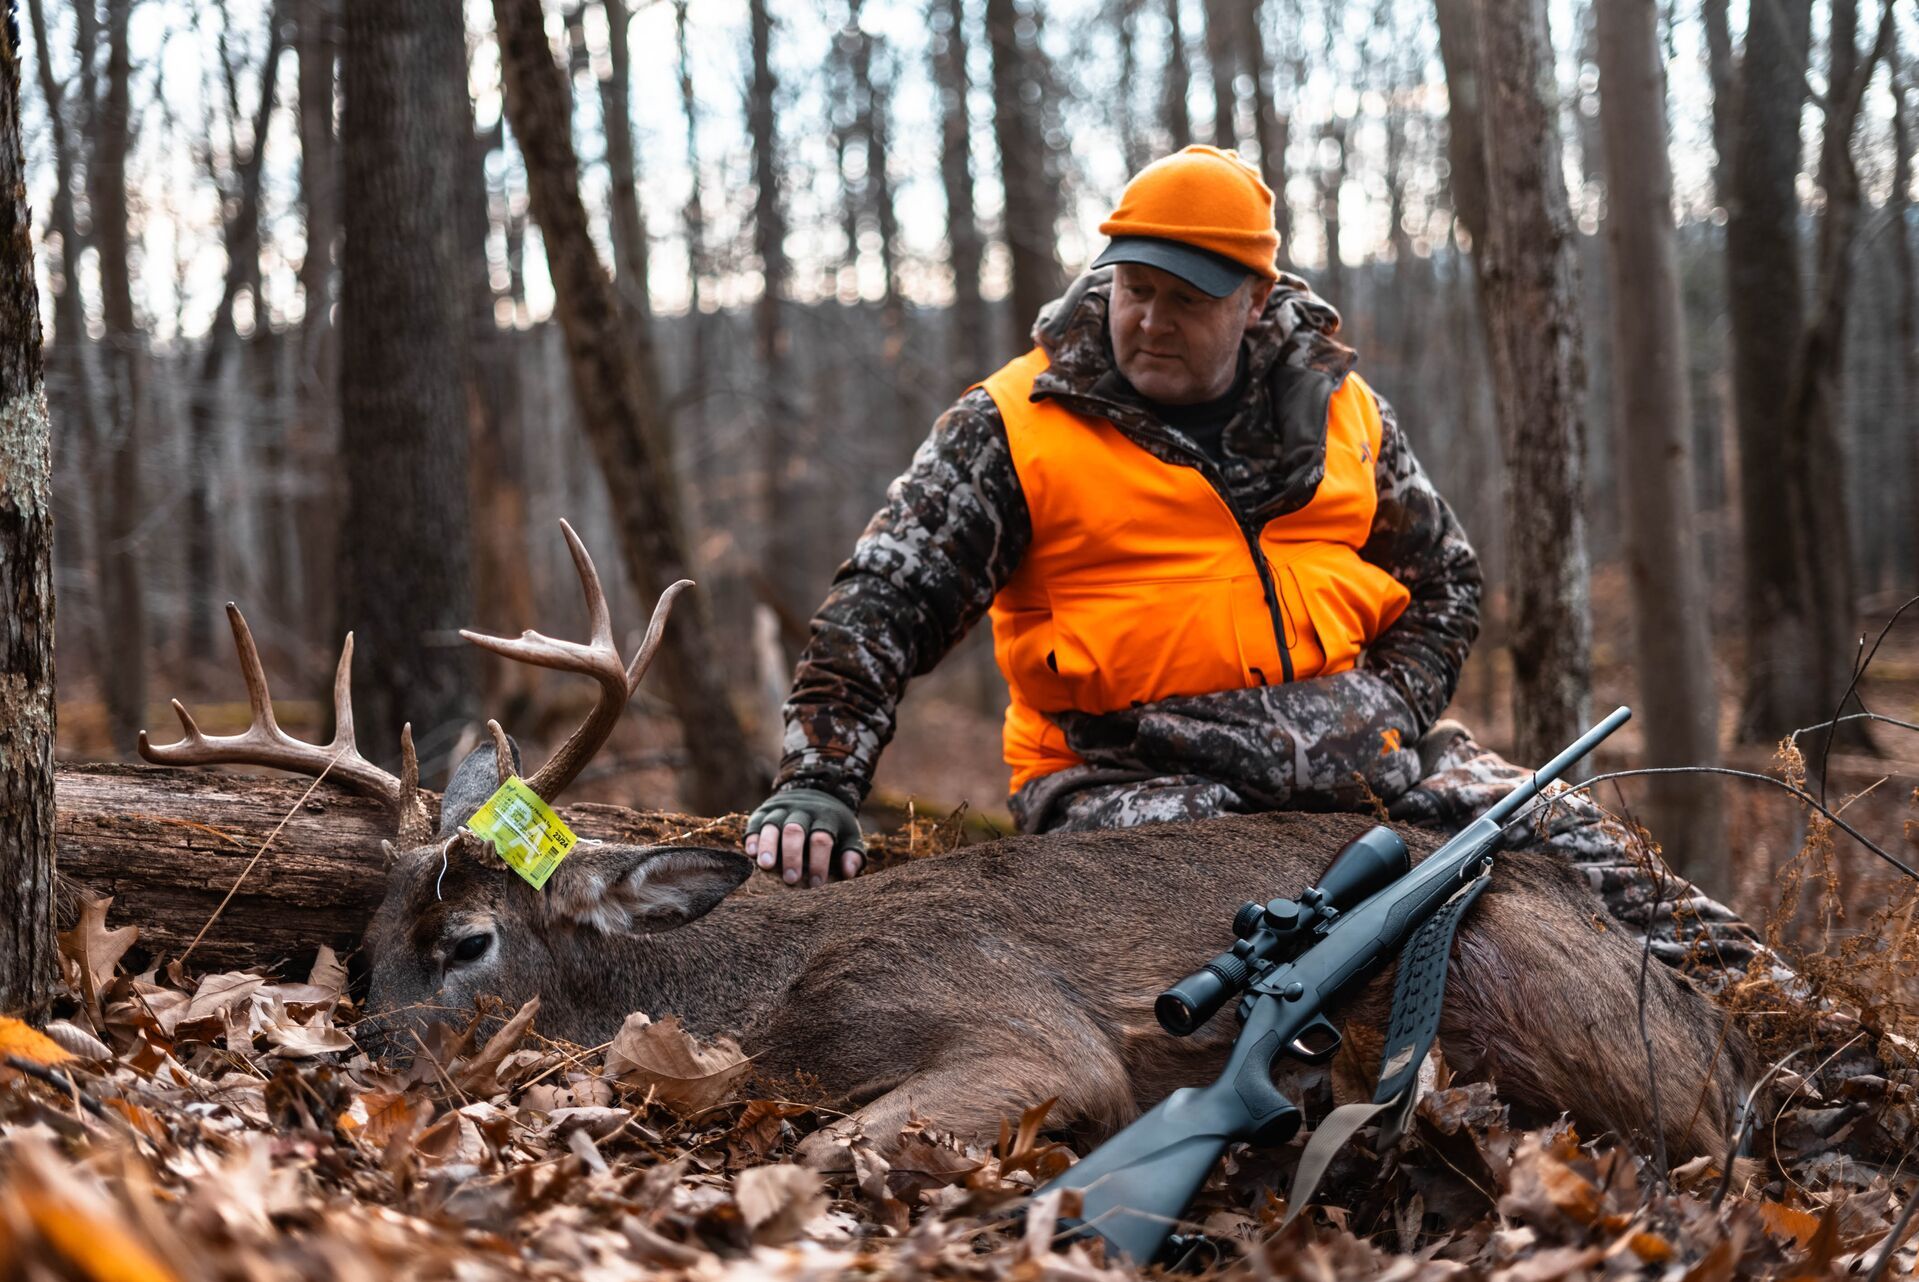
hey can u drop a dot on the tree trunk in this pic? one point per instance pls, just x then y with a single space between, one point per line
1899 209
1132 144
169 844
1652 435
27 946
1814 458
1529 283
623 201
241 237
969 345
1332 183
1032 200
1465 114
1174 117
123 582
617 389
313 443
693 214
1270 129
1784 689
1223 35
405 585
1722 74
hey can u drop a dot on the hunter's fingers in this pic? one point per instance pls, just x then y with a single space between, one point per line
851 862
766 845
819 857
792 853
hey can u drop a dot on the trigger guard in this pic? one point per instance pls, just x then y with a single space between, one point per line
1274 1118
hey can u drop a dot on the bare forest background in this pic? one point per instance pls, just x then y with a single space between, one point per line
347 304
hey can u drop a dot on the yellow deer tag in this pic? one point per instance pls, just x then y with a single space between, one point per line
525 831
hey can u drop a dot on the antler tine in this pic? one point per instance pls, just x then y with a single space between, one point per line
599 659
655 633
263 743
415 827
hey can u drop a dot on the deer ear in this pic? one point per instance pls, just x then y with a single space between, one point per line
476 779
622 889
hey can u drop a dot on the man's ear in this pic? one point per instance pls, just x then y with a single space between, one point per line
640 889
1262 289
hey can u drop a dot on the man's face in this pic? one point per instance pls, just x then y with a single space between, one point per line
1179 346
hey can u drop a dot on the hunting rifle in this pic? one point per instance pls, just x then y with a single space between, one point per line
1295 960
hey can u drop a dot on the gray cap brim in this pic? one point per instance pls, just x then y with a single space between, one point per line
1211 274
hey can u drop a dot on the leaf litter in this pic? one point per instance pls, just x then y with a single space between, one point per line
229 1126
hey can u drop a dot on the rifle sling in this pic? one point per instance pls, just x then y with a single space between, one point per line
1419 995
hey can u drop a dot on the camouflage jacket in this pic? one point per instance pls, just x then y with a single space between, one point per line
955 527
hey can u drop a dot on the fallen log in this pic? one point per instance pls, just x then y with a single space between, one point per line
168 845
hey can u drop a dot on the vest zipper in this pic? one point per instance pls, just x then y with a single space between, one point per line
1268 585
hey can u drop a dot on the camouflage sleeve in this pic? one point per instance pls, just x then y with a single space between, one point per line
1417 539
953 530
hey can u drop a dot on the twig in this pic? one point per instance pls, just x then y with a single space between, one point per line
235 888
431 1059
1859 672
60 1082
1892 1239
1645 1035
1800 793
1745 1122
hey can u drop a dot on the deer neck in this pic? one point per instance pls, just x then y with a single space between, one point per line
722 974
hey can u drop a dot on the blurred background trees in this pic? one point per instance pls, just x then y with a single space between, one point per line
310 345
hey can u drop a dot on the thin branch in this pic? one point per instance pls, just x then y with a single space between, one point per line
1803 796
1859 672
1745 1122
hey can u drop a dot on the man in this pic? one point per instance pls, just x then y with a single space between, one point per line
1218 578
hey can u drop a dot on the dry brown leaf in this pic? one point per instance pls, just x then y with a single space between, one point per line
29 1043
315 1037
93 949
757 1132
682 1073
1788 1222
377 1116
777 1201
1550 1265
328 972
477 1074
141 1119
217 993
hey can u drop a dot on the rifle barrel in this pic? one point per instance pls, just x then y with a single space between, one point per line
1508 806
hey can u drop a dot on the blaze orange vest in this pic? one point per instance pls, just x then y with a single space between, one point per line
1141 584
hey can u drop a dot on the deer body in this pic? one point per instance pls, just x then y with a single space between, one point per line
966 986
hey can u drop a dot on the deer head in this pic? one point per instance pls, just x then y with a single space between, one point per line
456 922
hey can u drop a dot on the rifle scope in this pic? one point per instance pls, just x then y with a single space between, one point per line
1279 929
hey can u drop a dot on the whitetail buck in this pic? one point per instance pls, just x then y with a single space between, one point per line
962 987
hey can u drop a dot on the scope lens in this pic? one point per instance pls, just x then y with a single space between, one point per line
1190 1003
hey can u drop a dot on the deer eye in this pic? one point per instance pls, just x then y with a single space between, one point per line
472 948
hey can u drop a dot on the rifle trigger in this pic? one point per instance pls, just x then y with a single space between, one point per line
1316 1043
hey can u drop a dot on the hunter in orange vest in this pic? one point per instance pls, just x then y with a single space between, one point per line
1218 579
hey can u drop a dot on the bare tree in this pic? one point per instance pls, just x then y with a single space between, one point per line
1271 128
1224 31
28 951
241 236
312 442
1174 116
1766 299
1132 142
616 386
404 580
1899 210
693 213
1529 285
629 223
123 585
1026 173
965 245
1815 441
1652 437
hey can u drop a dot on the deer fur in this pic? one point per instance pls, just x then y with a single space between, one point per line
964 987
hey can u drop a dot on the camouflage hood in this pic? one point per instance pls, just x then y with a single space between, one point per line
1275 442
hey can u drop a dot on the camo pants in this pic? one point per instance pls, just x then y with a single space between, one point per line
1458 781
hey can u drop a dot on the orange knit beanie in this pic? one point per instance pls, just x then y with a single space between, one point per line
1205 197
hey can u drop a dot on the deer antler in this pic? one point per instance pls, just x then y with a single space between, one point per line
599 659
263 743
